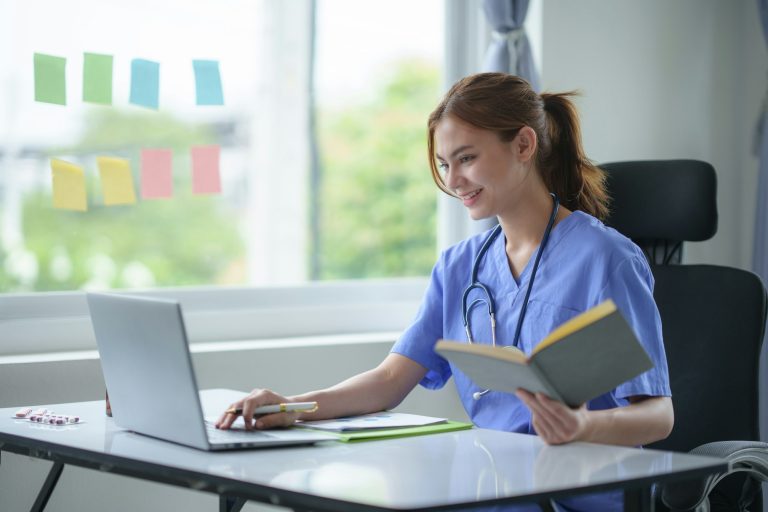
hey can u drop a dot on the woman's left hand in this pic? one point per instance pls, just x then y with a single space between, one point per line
555 422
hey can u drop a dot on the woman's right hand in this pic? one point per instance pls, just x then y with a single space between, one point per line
257 398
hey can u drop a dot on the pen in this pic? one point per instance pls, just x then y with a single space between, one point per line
268 409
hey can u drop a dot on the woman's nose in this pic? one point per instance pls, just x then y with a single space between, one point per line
452 179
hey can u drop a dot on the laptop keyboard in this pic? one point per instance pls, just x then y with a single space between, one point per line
234 436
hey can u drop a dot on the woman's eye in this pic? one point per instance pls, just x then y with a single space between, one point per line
443 167
466 158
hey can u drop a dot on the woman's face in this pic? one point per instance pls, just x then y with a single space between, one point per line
486 173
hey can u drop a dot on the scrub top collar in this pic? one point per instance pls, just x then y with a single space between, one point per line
498 255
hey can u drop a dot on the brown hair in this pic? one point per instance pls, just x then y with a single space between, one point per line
505 103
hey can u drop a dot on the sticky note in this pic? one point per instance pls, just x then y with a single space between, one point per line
156 173
97 78
116 180
68 186
208 82
205 170
145 83
50 81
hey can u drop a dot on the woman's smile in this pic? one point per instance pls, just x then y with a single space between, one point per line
470 198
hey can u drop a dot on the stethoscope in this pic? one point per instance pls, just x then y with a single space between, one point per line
488 299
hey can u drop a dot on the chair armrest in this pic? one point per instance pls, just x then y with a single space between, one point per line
742 456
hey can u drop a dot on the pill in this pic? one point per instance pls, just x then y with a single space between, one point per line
41 411
24 412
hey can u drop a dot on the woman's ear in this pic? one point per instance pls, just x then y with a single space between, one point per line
525 144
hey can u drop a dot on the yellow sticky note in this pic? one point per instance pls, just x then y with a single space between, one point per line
116 180
68 186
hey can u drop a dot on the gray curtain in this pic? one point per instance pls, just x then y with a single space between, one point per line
760 251
509 51
760 254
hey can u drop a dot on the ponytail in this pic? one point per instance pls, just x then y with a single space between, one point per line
566 170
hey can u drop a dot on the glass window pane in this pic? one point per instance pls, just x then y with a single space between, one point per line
365 209
378 77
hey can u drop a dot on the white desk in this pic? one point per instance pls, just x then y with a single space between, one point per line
470 468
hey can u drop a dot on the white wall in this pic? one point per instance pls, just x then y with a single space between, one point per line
663 79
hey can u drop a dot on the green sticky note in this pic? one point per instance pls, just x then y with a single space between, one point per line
50 82
97 78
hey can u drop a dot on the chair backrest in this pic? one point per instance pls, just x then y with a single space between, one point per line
661 203
713 317
713 320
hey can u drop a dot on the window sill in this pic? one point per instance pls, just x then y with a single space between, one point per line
222 346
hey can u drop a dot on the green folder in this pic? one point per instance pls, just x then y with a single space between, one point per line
392 433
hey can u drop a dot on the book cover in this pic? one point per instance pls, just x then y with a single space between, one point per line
583 358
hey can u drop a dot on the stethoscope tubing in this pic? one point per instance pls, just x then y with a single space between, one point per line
475 284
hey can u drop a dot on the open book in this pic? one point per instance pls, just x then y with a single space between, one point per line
585 357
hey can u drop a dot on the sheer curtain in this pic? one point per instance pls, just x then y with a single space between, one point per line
510 50
760 251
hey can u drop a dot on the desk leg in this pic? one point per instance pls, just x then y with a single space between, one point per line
638 500
230 504
50 483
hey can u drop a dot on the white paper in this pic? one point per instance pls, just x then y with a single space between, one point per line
376 420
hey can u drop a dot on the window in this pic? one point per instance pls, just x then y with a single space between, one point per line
269 257
354 202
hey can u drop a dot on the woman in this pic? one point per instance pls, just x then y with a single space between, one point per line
507 152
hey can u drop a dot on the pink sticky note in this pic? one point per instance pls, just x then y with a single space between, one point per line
156 173
205 170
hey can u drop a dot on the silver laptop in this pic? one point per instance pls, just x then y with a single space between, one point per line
152 387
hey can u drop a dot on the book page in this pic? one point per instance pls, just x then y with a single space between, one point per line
372 421
504 353
498 368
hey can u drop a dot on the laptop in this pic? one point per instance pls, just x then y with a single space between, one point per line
152 387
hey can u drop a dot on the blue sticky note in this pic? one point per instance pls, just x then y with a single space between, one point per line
208 82
145 83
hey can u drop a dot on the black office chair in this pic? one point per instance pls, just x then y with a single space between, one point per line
713 321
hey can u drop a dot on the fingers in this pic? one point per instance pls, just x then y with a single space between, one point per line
539 417
257 398
555 422
277 420
227 418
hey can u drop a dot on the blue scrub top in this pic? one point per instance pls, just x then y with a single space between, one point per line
584 263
